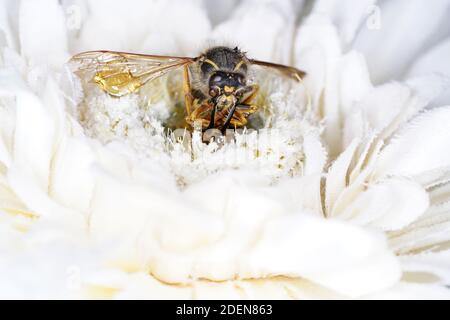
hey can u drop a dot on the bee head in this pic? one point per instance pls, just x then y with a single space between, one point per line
225 69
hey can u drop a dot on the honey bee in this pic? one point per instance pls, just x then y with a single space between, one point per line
216 89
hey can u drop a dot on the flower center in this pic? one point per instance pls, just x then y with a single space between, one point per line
152 124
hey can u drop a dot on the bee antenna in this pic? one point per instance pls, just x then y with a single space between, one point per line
239 51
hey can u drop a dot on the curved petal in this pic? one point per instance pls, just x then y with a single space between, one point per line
8 36
143 286
248 27
389 205
392 47
385 108
317 51
347 15
429 232
315 155
432 267
42 31
412 291
338 175
431 62
418 146
154 27
72 169
218 12
348 260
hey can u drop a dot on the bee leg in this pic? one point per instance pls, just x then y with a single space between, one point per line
188 98
247 109
213 117
241 113
239 120
254 89
197 114
228 119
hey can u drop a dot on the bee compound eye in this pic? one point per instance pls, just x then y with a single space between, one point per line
217 78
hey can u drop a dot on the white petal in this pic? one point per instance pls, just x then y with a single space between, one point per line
354 81
430 232
382 104
301 193
219 11
347 260
52 270
440 193
392 47
412 291
72 170
36 199
389 205
11 83
346 14
386 107
33 152
418 146
8 36
433 266
43 32
365 160
355 125
154 30
262 40
432 178
315 154
431 62
188 37
5 156
338 174
317 51
122 209
144 286
431 88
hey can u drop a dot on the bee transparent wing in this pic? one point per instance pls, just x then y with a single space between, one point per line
121 73
288 71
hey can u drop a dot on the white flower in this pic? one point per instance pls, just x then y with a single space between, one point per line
350 199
